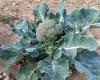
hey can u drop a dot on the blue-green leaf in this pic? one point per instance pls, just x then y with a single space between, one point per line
5 55
84 18
91 62
56 70
22 25
61 69
10 57
79 67
27 73
17 45
45 66
74 41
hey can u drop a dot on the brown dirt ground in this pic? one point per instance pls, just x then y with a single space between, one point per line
23 8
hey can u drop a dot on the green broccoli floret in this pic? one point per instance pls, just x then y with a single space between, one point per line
48 31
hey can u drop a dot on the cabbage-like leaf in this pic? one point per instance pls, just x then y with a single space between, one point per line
45 67
61 69
13 60
54 70
74 41
40 11
10 62
17 45
5 55
10 57
83 19
27 73
91 65
23 28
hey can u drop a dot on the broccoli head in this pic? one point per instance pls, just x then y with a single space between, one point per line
48 31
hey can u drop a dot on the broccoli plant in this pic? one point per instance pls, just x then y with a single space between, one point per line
50 46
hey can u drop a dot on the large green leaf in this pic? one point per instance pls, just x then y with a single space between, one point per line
23 28
13 60
54 70
5 55
74 41
83 19
10 57
83 70
71 43
40 11
27 73
89 63
61 69
45 67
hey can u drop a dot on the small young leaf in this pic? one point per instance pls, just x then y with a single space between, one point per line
33 52
57 54
50 15
60 10
23 25
16 45
40 11
20 44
